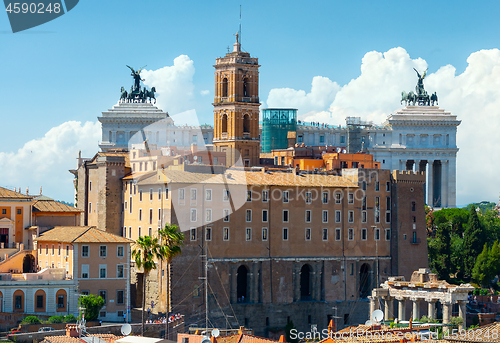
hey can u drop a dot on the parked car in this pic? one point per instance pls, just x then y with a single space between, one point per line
12 333
46 328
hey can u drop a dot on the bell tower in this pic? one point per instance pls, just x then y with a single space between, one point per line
236 107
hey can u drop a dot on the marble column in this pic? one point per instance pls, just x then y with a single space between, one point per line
446 315
431 308
444 183
401 308
416 309
462 313
430 183
388 302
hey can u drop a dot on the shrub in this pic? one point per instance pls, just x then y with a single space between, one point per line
56 319
30 320
70 319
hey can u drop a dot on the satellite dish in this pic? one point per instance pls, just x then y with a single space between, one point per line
126 329
196 158
377 316
206 340
215 333
369 323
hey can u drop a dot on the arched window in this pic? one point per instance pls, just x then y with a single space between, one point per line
224 88
61 300
40 298
241 288
245 87
305 283
246 123
224 123
18 301
364 281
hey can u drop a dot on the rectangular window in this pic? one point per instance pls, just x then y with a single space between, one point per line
151 194
248 216
337 234
387 234
102 271
120 271
120 251
350 198
337 216
194 195
286 197
325 197
130 232
46 249
193 234
225 234
364 234
350 216
248 235
130 207
308 234
208 195
139 231
388 186
208 234
193 214
350 234
150 216
60 301
90 207
90 186
166 193
265 196
140 214
181 196
59 250
225 195
85 251
338 198
276 160
264 216
388 203
388 217
249 196
264 234
225 215
325 234
208 215
159 193
363 216
140 195
19 301
85 271
377 234
159 215
120 297
103 250
308 197
285 216
363 204
125 206
363 185
377 186
102 294
39 301
413 206
285 234
377 210
325 216
308 216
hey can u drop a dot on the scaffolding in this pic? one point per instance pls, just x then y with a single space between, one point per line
276 123
355 125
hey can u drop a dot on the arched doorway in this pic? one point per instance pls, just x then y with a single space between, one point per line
242 283
246 123
224 88
305 282
364 281
28 264
40 300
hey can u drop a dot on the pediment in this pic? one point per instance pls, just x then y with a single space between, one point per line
6 221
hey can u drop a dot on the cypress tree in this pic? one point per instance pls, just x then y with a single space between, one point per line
474 240
481 273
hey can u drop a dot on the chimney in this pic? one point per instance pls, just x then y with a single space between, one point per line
40 190
71 330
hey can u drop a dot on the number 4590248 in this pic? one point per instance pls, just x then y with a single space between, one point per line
33 7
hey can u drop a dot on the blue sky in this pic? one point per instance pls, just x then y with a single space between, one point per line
71 69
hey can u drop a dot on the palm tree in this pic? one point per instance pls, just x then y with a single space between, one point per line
171 241
145 252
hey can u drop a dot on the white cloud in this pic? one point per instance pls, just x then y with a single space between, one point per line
174 85
45 161
205 92
474 96
322 93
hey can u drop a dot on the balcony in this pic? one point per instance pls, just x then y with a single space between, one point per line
415 241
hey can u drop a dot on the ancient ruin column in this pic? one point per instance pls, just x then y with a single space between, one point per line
462 313
431 308
233 280
430 183
401 308
416 308
446 315
296 282
373 304
388 308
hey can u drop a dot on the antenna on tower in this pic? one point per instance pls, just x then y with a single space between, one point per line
240 27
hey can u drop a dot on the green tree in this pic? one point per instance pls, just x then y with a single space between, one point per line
494 259
481 273
474 240
440 251
288 328
92 305
145 252
171 242
30 320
